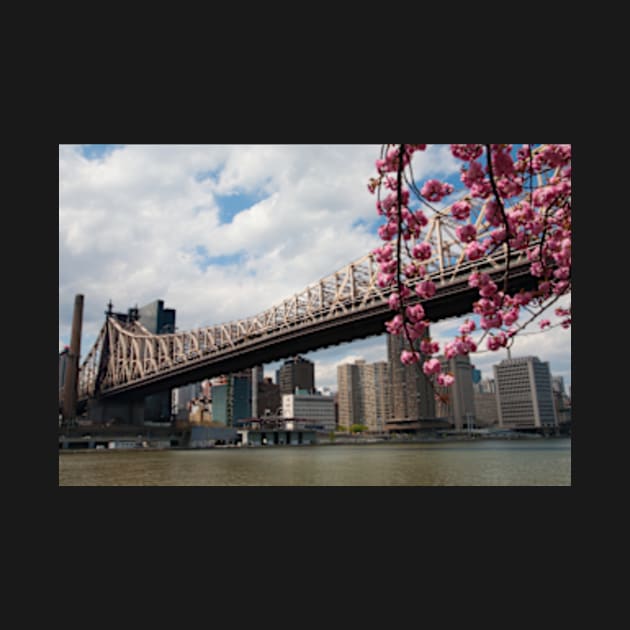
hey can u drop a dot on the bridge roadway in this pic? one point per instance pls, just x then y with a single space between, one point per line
450 300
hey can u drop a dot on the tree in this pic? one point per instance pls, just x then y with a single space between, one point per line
514 200
358 428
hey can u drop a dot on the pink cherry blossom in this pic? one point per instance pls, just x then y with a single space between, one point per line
475 250
445 380
434 190
467 152
421 251
497 341
466 233
526 204
425 289
432 366
467 327
395 325
429 347
409 358
415 313
461 210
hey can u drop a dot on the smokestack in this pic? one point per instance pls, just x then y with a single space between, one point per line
72 367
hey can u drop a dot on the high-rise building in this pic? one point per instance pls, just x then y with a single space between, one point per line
561 401
182 397
364 394
524 394
63 364
376 394
159 321
485 386
486 414
269 399
231 400
411 393
476 376
349 395
296 372
460 408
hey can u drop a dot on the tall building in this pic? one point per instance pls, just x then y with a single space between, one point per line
296 372
485 386
349 395
181 398
314 408
376 390
159 321
486 414
411 393
524 394
561 401
63 364
231 399
460 408
476 376
364 394
268 398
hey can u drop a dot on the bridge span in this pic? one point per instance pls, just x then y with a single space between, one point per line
127 361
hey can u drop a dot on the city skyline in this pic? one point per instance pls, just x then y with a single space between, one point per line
222 232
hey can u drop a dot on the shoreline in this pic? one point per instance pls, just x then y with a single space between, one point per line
323 442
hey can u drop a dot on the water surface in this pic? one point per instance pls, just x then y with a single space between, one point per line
467 463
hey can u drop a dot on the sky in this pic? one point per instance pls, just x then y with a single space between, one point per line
222 232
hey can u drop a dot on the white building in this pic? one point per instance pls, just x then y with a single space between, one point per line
524 394
314 408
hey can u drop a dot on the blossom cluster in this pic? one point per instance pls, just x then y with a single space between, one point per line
524 198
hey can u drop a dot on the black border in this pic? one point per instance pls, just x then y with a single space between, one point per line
430 518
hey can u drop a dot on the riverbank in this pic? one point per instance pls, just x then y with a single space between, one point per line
323 440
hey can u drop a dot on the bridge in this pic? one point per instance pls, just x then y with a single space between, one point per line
127 361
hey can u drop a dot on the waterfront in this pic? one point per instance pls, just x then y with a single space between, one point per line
545 461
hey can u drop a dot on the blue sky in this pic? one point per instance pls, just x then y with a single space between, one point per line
224 232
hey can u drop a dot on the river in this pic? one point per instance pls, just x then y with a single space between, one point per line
534 462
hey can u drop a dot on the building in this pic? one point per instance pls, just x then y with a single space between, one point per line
182 398
269 400
376 395
315 409
524 394
296 372
561 401
231 399
460 408
349 395
485 386
63 365
486 414
159 321
289 433
411 393
476 376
